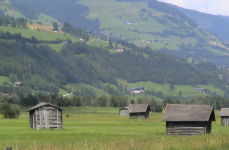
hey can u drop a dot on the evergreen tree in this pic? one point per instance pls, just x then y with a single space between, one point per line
55 26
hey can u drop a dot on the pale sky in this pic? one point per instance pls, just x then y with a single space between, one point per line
217 7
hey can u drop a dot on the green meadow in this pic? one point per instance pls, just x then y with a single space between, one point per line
104 130
112 16
43 35
187 90
4 79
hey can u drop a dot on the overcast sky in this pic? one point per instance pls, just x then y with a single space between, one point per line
208 6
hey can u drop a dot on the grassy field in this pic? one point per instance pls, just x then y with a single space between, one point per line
78 87
45 33
3 79
106 131
186 89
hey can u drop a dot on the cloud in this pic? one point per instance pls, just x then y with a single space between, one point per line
207 6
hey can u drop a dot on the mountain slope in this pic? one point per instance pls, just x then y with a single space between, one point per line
216 24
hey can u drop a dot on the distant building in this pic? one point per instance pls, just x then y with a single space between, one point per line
119 49
104 33
124 111
224 114
201 90
129 22
64 42
140 111
6 94
149 41
188 119
137 90
45 116
17 83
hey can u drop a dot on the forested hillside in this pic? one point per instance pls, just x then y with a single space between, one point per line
162 47
148 23
79 63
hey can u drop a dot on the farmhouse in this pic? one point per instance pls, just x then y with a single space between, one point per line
45 116
201 90
188 119
64 42
6 94
224 114
17 83
137 90
124 111
140 111
119 49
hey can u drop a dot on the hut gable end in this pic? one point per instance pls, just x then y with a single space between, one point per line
45 116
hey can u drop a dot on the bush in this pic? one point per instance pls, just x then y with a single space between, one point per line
67 115
152 109
10 110
158 108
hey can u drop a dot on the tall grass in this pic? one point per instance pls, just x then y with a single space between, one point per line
105 131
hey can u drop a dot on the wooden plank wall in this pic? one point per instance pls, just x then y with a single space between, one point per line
123 112
188 128
225 121
139 115
48 117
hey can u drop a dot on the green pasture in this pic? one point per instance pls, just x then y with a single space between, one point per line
104 130
62 92
98 43
3 79
44 20
79 86
113 14
186 89
43 35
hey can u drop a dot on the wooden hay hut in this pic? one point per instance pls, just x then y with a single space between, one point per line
224 114
140 111
45 116
124 111
188 119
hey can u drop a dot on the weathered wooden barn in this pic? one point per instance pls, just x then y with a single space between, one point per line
45 116
188 119
140 111
124 111
224 114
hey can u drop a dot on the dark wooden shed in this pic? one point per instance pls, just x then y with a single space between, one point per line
45 116
140 111
224 114
188 119
124 111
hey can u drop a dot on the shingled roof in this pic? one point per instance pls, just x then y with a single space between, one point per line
224 112
136 108
175 112
44 104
